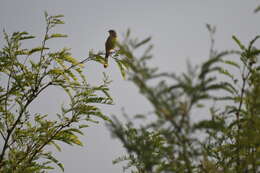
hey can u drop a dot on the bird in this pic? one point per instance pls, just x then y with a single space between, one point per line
110 45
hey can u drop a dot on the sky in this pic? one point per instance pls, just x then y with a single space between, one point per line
178 33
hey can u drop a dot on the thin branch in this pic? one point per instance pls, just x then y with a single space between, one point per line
23 109
2 135
244 81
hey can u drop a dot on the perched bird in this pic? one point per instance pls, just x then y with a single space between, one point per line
110 45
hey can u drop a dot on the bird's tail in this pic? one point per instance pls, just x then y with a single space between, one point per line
106 60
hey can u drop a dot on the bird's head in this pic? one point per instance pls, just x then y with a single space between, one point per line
112 32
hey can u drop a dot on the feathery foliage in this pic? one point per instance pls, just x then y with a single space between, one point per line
225 140
25 74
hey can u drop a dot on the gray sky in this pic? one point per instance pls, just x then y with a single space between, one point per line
178 32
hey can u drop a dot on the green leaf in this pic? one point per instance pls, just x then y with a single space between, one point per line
209 124
143 42
56 145
27 37
121 68
56 71
125 63
45 14
257 9
37 49
57 35
83 126
242 47
128 33
58 16
56 21
98 58
226 73
74 139
75 130
72 60
232 63
54 160
199 105
252 42
22 52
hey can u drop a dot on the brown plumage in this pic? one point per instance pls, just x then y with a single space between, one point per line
110 45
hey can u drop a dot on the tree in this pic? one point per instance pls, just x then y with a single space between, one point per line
229 136
25 74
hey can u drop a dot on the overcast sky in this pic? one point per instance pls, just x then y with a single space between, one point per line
178 31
